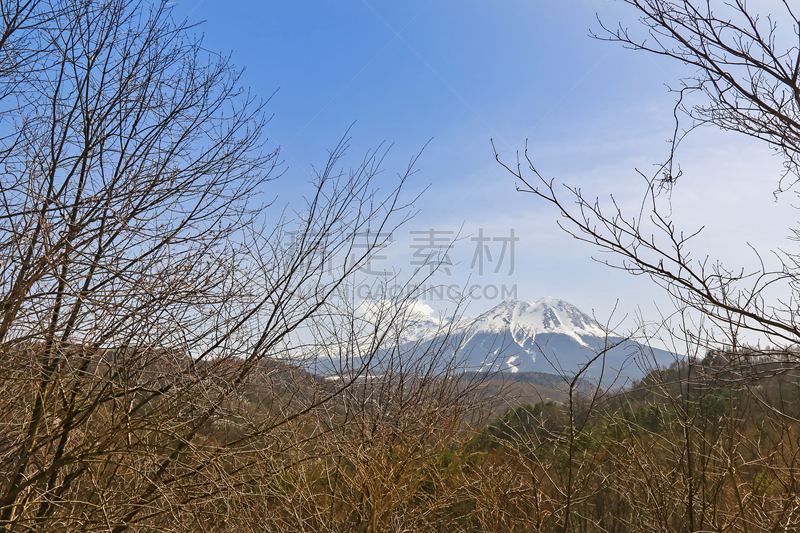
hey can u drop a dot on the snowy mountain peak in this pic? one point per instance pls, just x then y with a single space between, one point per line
525 319
546 335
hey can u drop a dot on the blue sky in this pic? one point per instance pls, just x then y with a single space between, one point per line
462 73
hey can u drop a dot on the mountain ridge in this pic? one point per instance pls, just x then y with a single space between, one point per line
544 336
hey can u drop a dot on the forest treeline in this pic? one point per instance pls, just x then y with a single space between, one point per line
700 446
704 445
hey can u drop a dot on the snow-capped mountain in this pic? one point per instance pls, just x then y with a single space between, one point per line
524 320
546 335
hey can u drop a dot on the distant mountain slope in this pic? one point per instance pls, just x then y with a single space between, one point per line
546 336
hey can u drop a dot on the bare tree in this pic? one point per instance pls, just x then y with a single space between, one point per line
683 465
751 85
148 293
